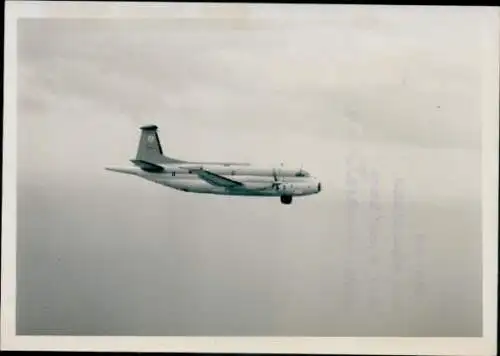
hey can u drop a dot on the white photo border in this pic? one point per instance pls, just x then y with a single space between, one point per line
485 345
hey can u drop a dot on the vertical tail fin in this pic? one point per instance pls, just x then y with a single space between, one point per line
150 149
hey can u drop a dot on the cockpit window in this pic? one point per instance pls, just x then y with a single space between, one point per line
302 173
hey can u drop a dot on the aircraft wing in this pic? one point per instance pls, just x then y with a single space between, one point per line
216 179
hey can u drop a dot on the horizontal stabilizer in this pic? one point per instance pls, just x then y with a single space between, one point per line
147 166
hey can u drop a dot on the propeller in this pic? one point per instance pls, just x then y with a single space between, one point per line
276 182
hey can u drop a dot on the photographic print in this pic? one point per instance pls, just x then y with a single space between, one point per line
218 176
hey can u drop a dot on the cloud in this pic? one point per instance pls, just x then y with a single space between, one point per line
318 78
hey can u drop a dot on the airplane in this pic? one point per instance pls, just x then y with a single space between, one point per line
222 178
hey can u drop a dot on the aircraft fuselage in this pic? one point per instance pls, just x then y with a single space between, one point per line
257 181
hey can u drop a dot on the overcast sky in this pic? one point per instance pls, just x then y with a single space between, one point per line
383 105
